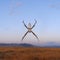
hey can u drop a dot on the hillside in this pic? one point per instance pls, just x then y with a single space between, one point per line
29 53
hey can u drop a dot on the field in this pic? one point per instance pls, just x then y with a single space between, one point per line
31 53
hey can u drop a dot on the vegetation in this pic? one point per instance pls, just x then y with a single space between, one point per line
31 53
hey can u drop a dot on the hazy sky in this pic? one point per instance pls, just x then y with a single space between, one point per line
13 12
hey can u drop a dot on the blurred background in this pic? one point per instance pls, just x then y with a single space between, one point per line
46 12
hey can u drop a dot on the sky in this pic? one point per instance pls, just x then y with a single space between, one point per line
13 12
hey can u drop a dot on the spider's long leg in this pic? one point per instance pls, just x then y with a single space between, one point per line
25 24
24 35
34 24
35 35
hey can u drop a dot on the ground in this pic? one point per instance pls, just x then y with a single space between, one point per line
29 53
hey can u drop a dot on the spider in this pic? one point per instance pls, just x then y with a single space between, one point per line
29 27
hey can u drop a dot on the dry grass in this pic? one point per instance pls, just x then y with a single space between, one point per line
21 53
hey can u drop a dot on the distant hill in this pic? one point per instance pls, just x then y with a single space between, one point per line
48 44
13 44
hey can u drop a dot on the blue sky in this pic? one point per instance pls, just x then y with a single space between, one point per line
13 12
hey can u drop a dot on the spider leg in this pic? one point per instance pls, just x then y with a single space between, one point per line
34 24
25 24
35 35
24 35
